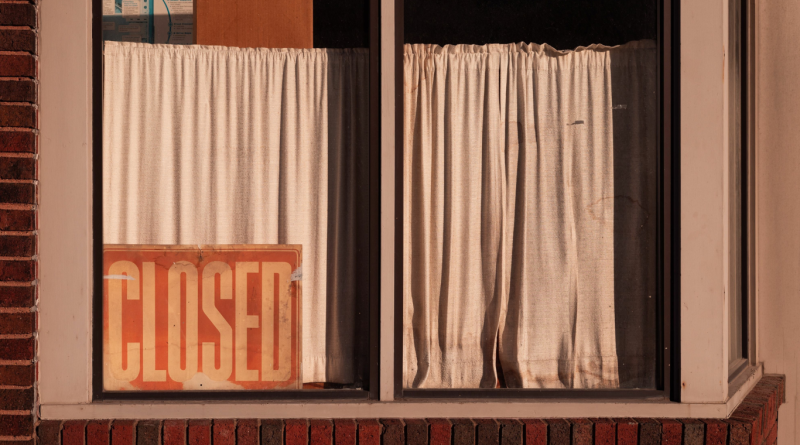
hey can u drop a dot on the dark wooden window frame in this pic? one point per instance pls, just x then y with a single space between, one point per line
668 299
369 324
747 283
668 258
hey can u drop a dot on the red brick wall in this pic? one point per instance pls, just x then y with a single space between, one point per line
755 422
18 135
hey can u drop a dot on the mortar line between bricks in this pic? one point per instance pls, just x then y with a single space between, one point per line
17 155
17 53
14 412
16 283
17 232
14 310
10 438
28 129
15 387
15 362
17 28
13 206
19 181
19 79
15 336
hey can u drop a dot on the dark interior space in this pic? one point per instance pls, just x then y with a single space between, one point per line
341 24
636 219
564 24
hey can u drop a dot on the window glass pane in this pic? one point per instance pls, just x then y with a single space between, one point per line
736 298
235 195
531 206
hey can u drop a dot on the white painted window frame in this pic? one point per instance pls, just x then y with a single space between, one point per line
65 245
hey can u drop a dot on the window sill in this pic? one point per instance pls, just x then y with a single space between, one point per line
404 409
742 381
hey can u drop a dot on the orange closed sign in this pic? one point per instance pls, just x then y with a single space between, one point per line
220 317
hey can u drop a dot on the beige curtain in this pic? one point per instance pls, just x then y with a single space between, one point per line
214 145
512 192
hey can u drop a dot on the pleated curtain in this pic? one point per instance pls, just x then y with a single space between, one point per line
215 145
529 196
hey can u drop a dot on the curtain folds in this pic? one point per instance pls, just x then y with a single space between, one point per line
215 145
525 237
530 196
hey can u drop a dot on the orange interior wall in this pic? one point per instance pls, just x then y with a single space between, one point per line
255 23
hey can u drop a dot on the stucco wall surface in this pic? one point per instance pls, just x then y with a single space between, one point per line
778 199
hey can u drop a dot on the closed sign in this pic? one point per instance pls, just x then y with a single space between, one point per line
201 317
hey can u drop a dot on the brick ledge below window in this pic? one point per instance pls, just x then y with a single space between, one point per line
754 422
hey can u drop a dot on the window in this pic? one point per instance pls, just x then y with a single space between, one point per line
532 204
236 198
691 264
